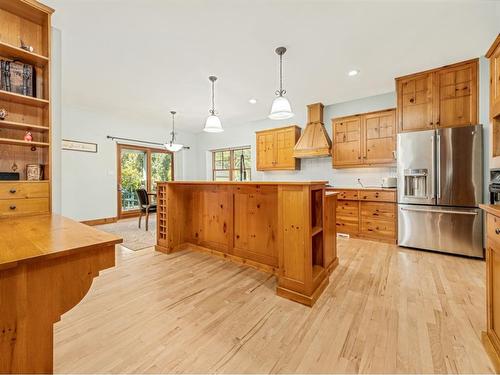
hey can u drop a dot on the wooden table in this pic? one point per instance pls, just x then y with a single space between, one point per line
284 228
47 264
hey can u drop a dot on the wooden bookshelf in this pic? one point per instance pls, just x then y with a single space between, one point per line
28 21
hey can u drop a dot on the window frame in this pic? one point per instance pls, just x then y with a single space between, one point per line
231 168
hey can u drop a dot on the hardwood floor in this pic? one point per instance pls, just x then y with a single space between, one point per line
386 309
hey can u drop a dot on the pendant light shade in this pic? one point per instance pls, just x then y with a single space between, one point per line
213 125
171 145
281 108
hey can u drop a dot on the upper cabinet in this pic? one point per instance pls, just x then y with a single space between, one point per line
456 99
415 102
275 149
494 55
363 140
444 97
346 141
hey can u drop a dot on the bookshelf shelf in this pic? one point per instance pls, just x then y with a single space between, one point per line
22 126
11 52
23 99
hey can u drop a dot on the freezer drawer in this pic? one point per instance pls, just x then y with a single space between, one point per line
446 229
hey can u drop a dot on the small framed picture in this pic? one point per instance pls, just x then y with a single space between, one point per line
79 146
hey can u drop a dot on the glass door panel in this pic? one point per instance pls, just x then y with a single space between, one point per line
133 176
161 168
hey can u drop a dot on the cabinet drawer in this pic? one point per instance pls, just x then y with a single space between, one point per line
381 211
378 195
378 228
347 225
23 190
348 194
493 224
347 208
23 206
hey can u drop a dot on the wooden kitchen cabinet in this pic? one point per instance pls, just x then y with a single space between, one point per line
443 97
494 55
456 96
415 102
347 141
364 139
491 338
367 213
275 149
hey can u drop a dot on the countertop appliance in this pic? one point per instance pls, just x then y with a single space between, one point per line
389 182
494 187
440 186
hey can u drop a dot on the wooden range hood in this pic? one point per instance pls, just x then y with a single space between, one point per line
314 141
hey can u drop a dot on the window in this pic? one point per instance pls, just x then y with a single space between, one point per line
227 164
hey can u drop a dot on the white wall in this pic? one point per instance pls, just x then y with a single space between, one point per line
89 181
311 169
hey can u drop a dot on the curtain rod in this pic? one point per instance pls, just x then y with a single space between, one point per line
139 141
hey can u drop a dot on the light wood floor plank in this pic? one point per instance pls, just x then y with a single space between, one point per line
386 310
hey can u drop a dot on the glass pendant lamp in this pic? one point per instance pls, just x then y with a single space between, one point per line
213 125
281 109
172 146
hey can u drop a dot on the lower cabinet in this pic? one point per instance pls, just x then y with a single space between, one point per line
24 197
367 213
491 337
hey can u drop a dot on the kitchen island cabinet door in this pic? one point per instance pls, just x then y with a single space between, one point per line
414 111
347 141
380 137
456 95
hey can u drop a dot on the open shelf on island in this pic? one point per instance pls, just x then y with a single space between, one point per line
21 142
22 126
23 99
15 53
316 230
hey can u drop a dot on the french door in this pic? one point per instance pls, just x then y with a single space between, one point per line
140 167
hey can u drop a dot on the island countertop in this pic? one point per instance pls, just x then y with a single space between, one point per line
39 237
244 182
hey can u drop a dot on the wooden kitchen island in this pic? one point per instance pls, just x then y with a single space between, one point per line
47 264
284 228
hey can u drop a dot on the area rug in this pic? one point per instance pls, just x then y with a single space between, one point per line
133 237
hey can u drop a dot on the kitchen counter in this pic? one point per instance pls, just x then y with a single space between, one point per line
284 228
47 264
359 188
493 209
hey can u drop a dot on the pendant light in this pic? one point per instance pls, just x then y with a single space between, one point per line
172 146
213 125
281 108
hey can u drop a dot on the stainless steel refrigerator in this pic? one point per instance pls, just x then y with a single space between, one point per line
440 186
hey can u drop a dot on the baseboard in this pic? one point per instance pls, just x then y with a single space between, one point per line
106 220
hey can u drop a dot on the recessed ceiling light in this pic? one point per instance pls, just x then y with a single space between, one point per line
353 73
252 101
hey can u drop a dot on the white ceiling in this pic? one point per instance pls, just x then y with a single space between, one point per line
151 56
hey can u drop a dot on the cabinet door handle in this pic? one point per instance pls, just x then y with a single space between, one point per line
497 231
12 191
13 207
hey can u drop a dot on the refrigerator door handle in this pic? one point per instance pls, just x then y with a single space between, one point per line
438 165
433 163
439 211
